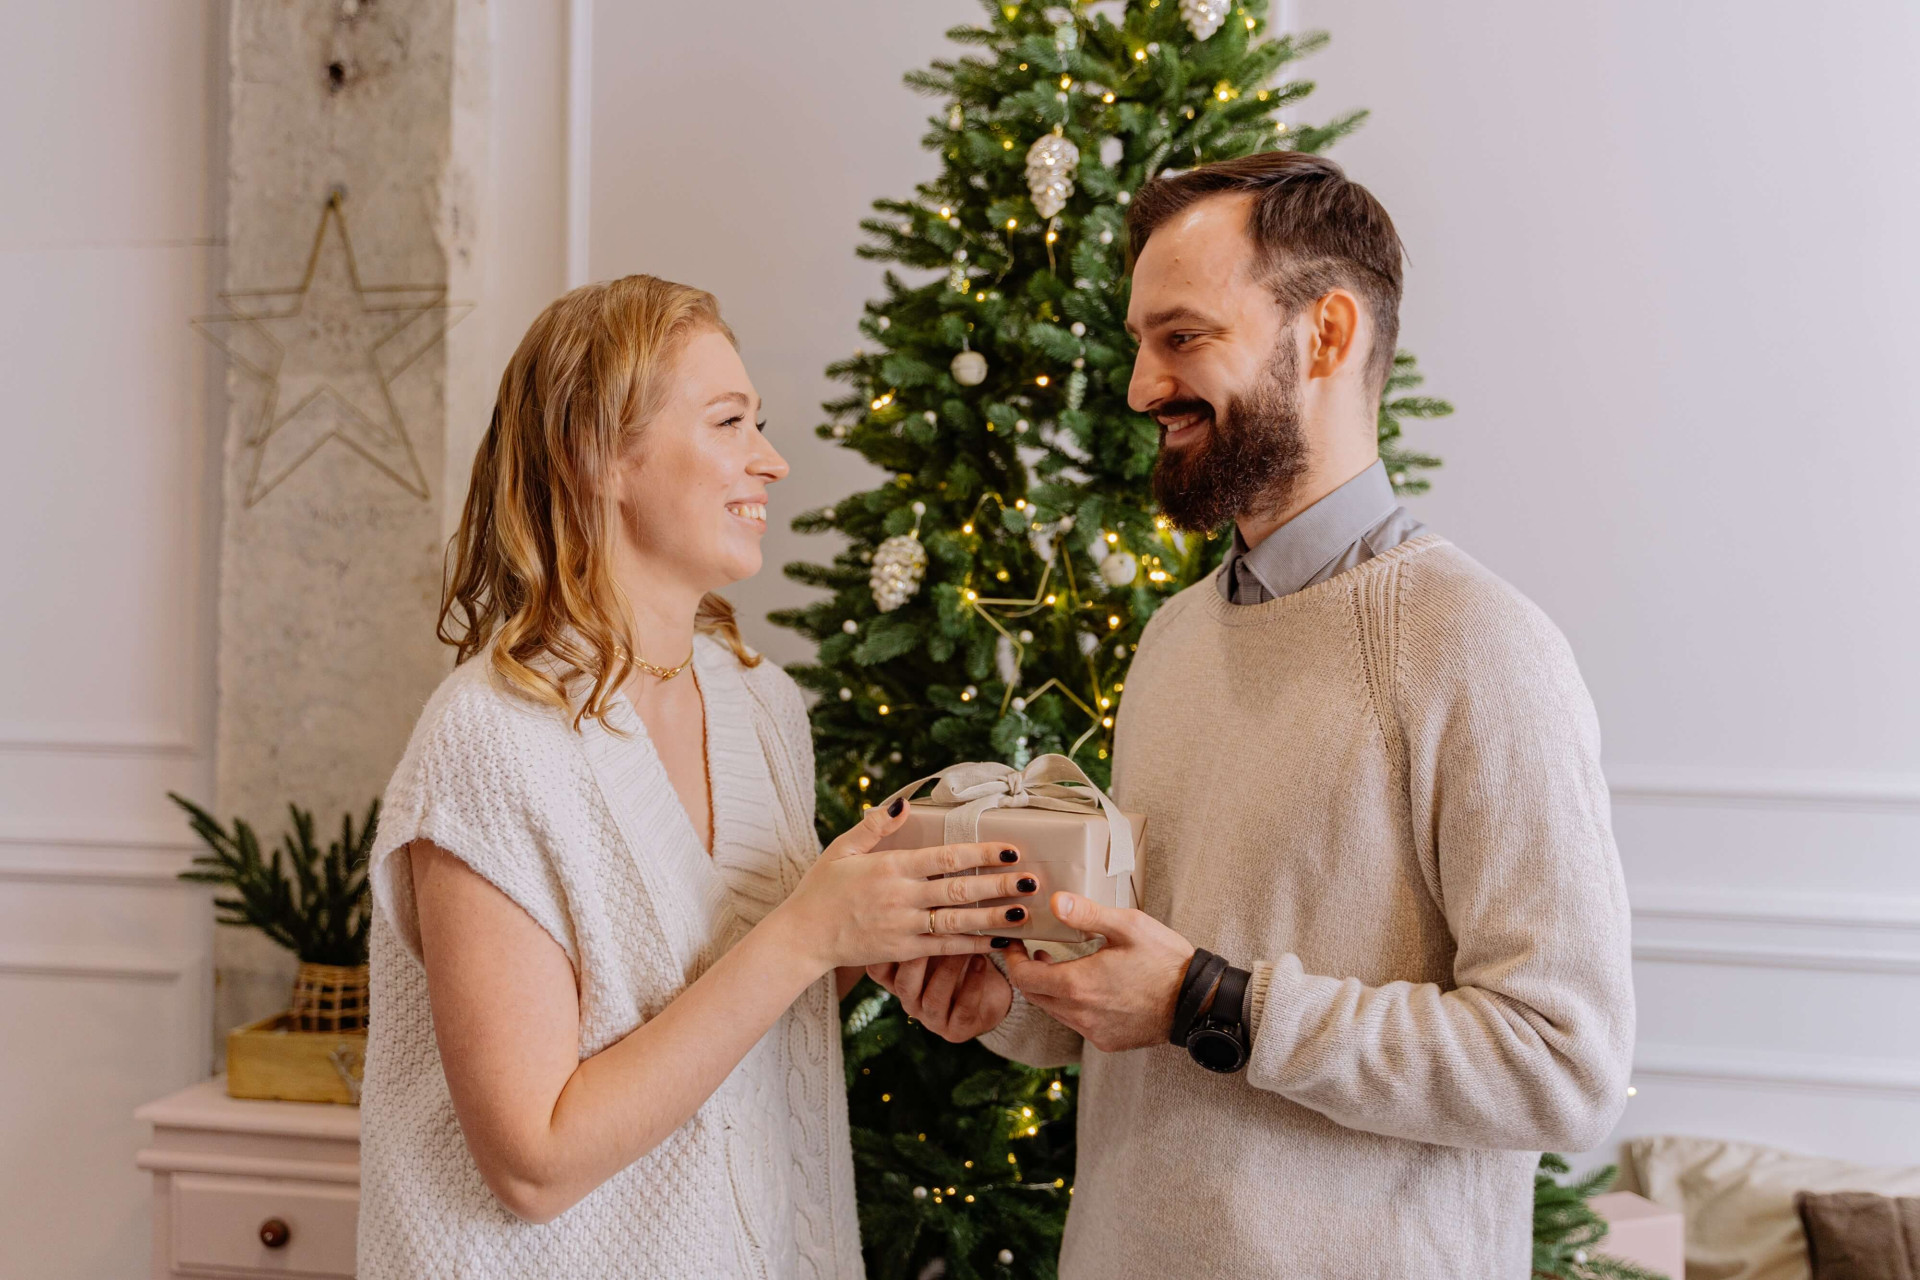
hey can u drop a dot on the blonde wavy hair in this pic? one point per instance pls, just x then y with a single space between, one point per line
530 576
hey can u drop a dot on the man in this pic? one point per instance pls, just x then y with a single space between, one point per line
1371 778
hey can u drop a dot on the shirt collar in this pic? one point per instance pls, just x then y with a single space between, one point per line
1290 556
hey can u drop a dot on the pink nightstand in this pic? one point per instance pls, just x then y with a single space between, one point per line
244 1189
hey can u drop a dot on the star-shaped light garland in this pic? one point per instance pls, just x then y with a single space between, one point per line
327 352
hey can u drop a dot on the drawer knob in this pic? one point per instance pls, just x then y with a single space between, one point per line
274 1233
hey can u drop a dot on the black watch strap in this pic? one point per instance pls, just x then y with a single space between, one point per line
1203 970
1230 1005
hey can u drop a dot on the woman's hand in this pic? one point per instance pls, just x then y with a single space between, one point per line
955 997
857 907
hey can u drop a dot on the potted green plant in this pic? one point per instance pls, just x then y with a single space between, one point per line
314 902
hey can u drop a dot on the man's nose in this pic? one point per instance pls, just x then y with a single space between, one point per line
1150 385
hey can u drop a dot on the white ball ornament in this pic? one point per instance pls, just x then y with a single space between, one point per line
828 513
1077 329
1123 197
894 756
1119 569
969 368
1019 704
884 323
846 694
1006 1257
1106 237
1026 637
839 431
931 416
1051 161
1020 427
1203 17
919 1193
850 627
898 565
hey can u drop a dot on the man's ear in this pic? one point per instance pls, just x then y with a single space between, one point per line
1333 333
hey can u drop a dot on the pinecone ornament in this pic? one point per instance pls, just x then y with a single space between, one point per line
1051 161
1203 17
898 565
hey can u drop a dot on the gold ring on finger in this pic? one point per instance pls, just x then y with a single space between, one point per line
932 923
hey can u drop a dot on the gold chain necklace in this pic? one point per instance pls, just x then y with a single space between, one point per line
654 669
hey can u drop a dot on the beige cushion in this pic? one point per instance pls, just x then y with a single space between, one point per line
1738 1200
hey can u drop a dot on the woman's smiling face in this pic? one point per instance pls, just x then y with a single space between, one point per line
692 491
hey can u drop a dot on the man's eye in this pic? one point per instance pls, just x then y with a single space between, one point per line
1181 339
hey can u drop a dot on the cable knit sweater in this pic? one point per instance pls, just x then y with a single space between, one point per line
585 832
1383 795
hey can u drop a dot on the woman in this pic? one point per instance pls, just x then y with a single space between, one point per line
604 1037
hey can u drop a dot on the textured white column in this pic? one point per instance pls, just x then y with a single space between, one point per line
334 523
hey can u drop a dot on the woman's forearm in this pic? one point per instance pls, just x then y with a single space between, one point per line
623 1101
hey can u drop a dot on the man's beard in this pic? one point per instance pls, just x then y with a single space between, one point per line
1253 456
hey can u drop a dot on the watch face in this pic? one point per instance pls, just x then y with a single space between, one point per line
1216 1050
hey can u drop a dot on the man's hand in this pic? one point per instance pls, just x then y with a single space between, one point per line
1121 996
956 997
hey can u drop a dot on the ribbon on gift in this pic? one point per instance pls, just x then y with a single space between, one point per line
1049 782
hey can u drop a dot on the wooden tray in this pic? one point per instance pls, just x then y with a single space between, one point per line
265 1060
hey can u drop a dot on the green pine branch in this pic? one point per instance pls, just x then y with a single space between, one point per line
312 902
1566 1230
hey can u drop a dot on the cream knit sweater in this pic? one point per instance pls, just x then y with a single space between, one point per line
1383 795
584 831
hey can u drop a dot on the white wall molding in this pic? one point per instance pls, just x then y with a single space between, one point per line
579 139
1777 1070
1832 959
135 964
1848 790
1760 907
28 741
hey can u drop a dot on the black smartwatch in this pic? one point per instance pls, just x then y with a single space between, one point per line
1217 1039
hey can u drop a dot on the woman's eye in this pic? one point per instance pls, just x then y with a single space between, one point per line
761 426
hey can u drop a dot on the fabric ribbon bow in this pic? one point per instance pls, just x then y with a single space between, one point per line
1050 782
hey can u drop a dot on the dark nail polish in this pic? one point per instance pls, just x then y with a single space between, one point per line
1026 884
1016 914
893 810
1009 855
1001 944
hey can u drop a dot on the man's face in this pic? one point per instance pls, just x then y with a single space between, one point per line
1217 369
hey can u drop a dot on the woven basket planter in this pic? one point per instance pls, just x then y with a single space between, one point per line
329 997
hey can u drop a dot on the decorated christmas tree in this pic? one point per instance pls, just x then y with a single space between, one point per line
991 592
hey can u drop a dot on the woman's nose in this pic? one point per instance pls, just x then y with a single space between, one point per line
768 465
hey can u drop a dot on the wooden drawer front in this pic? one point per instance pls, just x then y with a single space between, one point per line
217 1221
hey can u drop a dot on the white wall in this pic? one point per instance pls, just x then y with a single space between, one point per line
110 417
1662 259
737 149
1658 258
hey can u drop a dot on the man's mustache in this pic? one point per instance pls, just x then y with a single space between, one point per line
1181 409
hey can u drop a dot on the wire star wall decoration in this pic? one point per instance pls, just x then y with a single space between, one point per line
327 352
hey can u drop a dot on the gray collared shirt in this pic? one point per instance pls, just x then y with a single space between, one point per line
1348 527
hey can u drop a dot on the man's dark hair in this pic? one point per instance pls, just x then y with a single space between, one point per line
1314 229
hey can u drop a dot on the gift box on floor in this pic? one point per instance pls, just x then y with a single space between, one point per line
1069 832
1642 1232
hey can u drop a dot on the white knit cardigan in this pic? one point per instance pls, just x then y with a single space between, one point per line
585 832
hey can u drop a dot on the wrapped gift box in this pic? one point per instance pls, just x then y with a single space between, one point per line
1060 850
1642 1232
